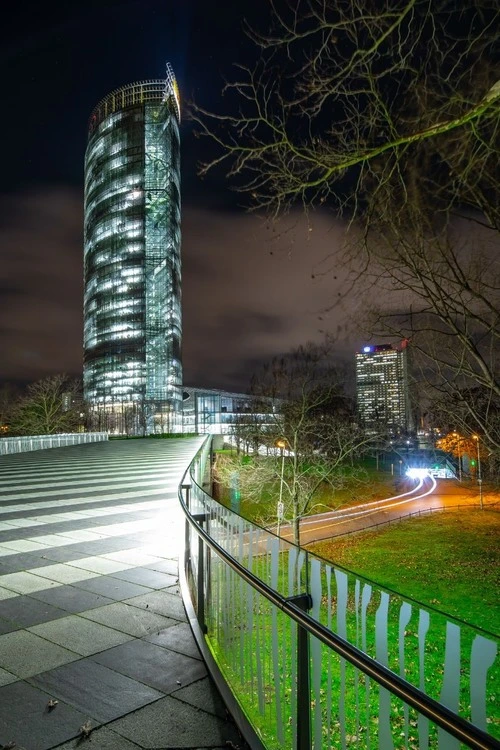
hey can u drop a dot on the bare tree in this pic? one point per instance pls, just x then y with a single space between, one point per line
356 87
49 406
387 113
310 434
9 394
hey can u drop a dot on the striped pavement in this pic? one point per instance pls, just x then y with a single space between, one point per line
93 635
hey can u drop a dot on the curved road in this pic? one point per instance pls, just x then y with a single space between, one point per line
426 493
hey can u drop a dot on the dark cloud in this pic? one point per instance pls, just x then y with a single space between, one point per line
250 290
263 290
41 267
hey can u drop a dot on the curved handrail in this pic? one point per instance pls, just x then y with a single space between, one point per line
448 720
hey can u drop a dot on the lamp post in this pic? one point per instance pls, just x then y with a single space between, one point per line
479 477
457 435
281 444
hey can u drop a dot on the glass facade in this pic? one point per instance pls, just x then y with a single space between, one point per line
132 294
211 411
382 388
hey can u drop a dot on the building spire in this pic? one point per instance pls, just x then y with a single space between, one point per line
172 89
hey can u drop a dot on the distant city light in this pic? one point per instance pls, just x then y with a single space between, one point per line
367 348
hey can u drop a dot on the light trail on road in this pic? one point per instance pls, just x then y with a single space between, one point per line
338 517
374 506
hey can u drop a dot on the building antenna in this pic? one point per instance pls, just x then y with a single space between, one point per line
172 89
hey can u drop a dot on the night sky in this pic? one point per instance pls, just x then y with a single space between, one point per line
251 290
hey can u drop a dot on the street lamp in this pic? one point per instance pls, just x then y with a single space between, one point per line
281 444
457 435
479 477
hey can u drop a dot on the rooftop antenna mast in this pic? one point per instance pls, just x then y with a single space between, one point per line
172 89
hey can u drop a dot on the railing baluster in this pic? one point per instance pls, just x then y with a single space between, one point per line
304 602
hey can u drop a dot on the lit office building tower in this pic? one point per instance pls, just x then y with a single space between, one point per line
382 387
132 315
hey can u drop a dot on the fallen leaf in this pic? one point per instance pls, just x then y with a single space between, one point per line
86 729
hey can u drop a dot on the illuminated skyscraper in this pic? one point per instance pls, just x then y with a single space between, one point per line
132 310
382 387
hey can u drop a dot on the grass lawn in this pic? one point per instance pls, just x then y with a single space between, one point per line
448 560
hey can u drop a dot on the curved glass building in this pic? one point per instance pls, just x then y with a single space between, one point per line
132 276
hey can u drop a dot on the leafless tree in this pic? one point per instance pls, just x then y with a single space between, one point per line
49 406
310 433
386 113
357 87
9 394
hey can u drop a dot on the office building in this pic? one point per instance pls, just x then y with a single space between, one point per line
132 275
208 410
382 388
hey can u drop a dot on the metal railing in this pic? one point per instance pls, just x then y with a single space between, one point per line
309 655
39 442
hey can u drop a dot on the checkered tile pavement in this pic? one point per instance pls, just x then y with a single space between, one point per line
90 613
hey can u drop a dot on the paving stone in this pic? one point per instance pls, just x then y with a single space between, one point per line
26 654
25 583
102 738
7 594
165 566
108 544
146 577
170 723
84 636
63 573
112 587
133 556
23 545
161 668
8 626
203 694
7 677
162 602
26 611
24 718
177 638
81 535
97 691
71 598
129 619
99 565
64 554
51 540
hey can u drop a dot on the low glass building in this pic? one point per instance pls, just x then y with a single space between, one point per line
207 410
132 268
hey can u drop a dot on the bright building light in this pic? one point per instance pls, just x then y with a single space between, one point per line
417 473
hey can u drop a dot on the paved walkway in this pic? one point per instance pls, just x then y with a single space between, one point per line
93 634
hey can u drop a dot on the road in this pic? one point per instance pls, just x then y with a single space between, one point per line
425 494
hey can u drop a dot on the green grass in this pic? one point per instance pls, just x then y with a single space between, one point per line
448 561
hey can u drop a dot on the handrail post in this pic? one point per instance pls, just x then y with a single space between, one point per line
200 518
303 602
187 532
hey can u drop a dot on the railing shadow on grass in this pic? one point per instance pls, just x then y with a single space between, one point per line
308 655
418 514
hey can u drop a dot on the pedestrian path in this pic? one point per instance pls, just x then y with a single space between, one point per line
94 643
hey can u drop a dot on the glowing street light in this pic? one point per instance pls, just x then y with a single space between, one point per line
281 444
479 477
